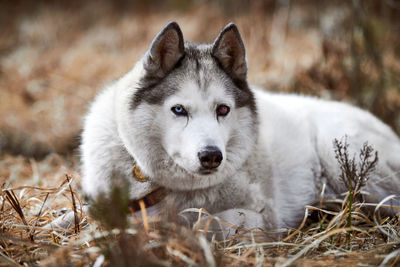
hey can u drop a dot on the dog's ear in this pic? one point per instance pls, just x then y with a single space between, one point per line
229 50
165 51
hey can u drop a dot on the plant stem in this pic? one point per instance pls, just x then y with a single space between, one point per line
349 216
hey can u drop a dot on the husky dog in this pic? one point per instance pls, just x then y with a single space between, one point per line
185 119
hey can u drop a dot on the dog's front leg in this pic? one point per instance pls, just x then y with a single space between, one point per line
224 225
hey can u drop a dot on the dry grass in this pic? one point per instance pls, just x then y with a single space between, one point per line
54 57
321 240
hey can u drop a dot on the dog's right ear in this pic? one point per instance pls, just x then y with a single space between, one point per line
165 51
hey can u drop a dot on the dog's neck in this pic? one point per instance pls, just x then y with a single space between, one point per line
150 199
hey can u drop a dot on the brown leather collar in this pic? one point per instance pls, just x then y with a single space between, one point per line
149 200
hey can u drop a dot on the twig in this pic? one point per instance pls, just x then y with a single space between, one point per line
76 219
12 198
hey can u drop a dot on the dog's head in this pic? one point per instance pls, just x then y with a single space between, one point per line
187 115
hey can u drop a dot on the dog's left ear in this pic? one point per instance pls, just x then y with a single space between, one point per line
165 51
229 50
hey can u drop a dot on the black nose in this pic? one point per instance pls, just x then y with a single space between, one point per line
210 157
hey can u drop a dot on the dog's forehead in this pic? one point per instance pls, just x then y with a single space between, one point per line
200 67
191 94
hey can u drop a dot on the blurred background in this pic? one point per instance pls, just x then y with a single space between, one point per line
56 55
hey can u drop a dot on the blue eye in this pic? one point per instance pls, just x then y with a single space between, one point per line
179 110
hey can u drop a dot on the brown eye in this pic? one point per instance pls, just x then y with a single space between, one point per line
222 110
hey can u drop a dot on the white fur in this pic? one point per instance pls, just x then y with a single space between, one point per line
270 176
187 137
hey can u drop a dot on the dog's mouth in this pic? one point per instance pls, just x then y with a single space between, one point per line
207 171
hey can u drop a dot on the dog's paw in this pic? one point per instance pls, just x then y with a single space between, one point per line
225 225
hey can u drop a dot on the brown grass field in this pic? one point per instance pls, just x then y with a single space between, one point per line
55 56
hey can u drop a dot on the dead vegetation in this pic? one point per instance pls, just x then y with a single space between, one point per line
116 238
54 57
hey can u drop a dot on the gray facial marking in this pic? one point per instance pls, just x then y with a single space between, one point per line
243 95
197 64
152 90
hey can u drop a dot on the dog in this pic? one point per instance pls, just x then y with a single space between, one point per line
186 120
